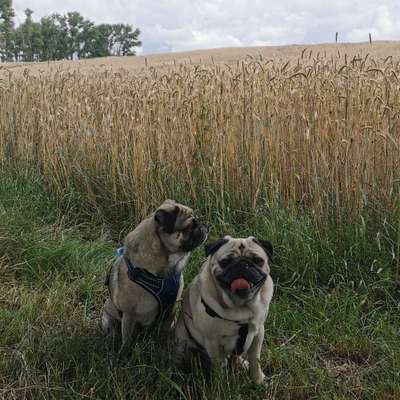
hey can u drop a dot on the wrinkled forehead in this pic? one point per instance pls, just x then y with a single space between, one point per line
241 247
184 217
182 213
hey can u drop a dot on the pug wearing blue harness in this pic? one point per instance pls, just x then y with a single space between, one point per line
146 279
225 306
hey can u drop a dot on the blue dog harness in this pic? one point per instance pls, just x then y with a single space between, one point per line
164 290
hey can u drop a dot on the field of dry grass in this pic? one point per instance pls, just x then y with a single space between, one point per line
378 50
319 129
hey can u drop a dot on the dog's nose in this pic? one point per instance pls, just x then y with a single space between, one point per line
245 265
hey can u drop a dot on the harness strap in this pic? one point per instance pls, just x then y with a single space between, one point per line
243 331
134 274
165 291
214 314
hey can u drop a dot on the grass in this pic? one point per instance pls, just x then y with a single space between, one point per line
303 151
332 333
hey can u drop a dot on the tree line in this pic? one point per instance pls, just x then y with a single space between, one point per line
62 37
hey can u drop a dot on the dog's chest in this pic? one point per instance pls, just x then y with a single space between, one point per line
236 338
141 303
147 311
178 261
232 337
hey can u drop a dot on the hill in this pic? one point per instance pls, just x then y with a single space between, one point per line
219 56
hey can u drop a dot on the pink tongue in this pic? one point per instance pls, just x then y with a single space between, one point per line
238 284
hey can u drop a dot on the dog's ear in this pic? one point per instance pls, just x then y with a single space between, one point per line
212 248
167 219
267 246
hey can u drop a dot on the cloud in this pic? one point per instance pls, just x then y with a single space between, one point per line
177 25
383 25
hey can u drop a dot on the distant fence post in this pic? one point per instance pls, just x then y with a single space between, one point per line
336 37
370 38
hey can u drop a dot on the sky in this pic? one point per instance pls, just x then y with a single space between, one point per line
180 25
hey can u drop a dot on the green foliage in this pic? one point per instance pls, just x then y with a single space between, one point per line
7 33
124 40
97 41
62 37
29 39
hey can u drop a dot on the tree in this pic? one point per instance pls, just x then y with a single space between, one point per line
29 41
76 25
7 33
96 40
51 35
58 37
62 36
125 39
62 39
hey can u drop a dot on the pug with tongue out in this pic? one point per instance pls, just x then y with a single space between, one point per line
225 306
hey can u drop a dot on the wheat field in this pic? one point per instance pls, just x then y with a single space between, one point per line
317 131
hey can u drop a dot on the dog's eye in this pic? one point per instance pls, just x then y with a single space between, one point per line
258 260
225 262
192 226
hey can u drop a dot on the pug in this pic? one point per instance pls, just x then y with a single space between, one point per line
145 280
225 306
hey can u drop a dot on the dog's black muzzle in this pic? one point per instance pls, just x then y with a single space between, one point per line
197 236
242 270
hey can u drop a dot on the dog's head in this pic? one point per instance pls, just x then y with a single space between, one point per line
178 228
239 266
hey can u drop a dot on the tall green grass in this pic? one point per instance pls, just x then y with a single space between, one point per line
332 332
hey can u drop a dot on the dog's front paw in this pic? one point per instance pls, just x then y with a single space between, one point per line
256 373
243 363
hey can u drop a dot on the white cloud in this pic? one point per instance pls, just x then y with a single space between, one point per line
381 24
176 25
